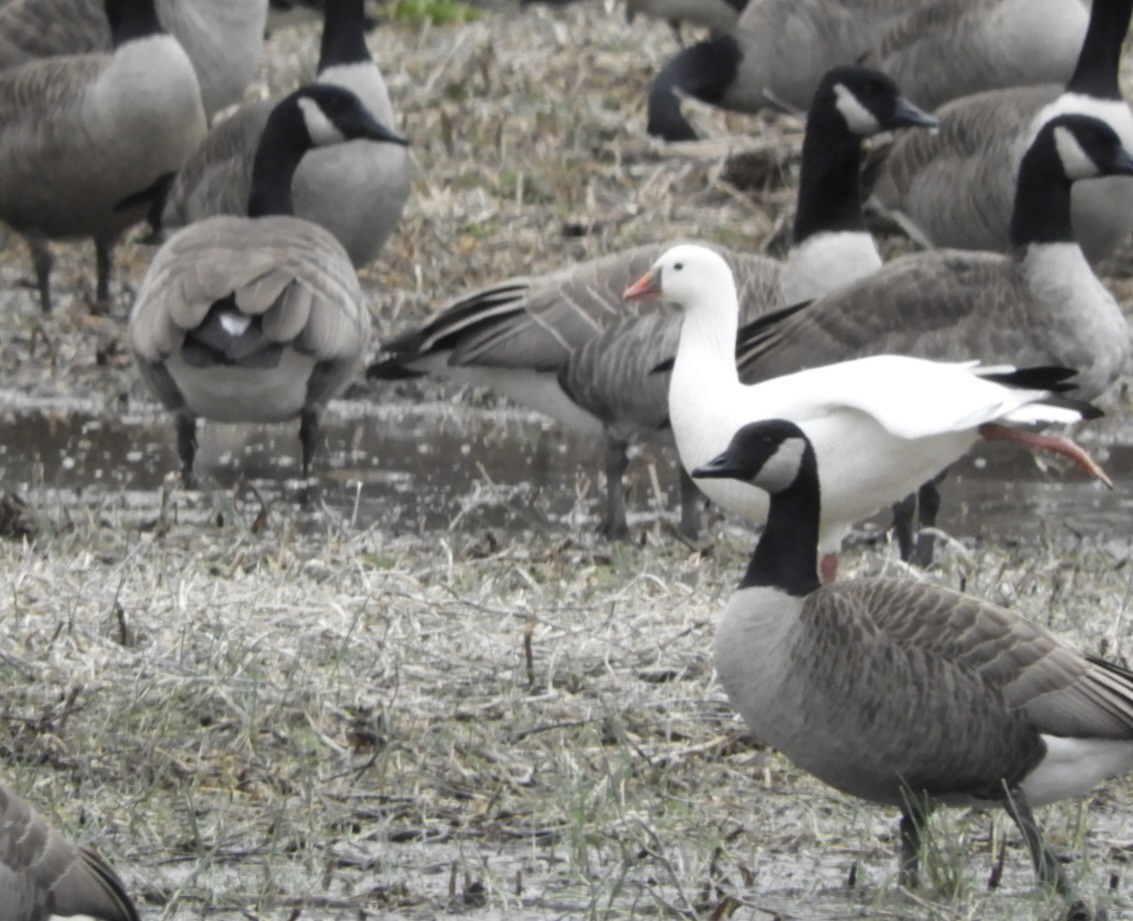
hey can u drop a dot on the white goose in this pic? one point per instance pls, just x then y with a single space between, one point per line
1005 711
881 426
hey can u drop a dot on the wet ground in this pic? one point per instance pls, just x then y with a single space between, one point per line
435 466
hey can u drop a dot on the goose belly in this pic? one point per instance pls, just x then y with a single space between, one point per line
229 393
357 191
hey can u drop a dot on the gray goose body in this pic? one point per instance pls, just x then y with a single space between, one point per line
356 190
223 38
956 188
44 875
568 346
259 318
83 137
1004 710
779 49
1040 304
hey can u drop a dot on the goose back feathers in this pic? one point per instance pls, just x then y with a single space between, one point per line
957 188
44 875
259 319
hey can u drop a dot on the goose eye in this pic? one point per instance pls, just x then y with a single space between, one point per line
677 266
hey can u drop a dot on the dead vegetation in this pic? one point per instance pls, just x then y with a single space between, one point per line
255 720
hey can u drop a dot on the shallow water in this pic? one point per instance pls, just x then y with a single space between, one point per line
429 467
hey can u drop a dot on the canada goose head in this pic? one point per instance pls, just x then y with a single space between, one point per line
1078 147
317 115
686 275
332 115
769 454
868 101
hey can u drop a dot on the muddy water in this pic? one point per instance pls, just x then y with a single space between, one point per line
433 467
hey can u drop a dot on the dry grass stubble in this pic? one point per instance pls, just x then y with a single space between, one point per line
254 720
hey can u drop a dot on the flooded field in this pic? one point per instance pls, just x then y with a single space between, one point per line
414 468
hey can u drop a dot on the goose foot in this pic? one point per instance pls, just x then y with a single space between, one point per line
994 432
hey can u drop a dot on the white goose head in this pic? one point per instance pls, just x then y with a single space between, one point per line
688 276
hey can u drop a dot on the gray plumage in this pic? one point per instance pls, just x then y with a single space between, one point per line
260 318
903 692
43 874
714 15
956 188
566 345
1040 304
223 38
779 49
356 190
85 138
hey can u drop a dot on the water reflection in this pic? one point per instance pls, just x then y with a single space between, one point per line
431 467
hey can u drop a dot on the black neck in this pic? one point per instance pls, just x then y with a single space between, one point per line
1100 58
786 556
829 199
131 19
344 36
1042 199
282 145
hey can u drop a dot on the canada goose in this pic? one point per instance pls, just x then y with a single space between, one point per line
1005 711
957 187
1039 304
85 140
715 15
779 49
223 38
44 875
258 318
881 425
356 190
564 345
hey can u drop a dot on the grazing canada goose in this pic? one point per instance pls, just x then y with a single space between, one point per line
86 140
881 425
43 875
259 318
1040 304
956 188
564 344
223 38
356 190
829 675
779 49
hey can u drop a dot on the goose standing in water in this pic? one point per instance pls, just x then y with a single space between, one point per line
87 140
956 188
1040 304
356 190
43 875
1005 711
259 318
223 38
564 345
881 425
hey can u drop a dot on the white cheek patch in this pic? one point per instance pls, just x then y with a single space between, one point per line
782 467
860 120
1075 161
322 129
